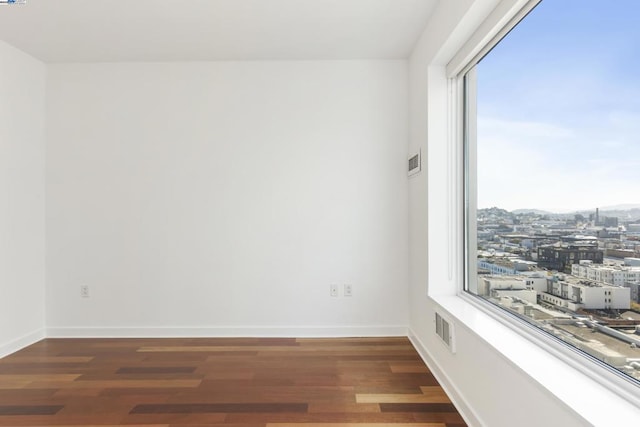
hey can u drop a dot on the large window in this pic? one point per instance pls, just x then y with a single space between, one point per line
552 163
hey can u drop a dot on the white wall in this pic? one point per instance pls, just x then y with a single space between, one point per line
487 386
221 198
22 264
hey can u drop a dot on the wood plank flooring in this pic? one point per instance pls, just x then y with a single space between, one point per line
222 382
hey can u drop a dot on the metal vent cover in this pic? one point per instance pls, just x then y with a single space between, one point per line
444 329
414 164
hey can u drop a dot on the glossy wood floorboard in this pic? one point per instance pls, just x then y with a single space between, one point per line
222 382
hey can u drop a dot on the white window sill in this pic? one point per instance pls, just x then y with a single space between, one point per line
586 394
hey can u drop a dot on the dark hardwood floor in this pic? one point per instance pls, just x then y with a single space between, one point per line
222 382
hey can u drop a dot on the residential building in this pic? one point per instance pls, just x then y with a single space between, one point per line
561 258
577 294
626 276
525 288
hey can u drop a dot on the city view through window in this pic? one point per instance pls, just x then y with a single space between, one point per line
556 239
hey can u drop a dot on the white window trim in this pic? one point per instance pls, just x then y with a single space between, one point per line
583 385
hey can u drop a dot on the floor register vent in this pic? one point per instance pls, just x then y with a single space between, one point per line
444 329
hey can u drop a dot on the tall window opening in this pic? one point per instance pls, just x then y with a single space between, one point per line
552 164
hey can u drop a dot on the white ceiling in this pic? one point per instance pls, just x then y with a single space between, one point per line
197 30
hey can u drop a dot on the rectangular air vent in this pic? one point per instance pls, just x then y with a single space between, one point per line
415 164
444 329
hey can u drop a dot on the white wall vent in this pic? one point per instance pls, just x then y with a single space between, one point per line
415 163
444 329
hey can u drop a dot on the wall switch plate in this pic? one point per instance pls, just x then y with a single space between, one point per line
84 291
333 290
347 290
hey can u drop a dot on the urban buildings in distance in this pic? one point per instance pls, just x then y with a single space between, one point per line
576 276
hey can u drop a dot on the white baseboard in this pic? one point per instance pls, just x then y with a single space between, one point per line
213 332
461 404
22 342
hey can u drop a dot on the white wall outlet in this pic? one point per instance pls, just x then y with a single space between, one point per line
333 290
347 290
84 291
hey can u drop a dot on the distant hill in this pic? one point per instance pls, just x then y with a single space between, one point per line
624 207
625 212
493 211
531 211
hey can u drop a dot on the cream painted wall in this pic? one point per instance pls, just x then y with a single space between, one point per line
22 248
224 198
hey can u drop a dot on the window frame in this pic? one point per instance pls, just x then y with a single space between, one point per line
461 75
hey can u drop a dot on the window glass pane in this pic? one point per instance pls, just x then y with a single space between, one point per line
553 164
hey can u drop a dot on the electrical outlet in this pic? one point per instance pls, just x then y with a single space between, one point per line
333 290
84 291
347 290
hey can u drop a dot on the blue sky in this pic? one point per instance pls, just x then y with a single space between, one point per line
559 109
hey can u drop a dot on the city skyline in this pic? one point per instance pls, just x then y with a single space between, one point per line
602 209
559 110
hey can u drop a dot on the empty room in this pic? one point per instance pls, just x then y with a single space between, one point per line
272 213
